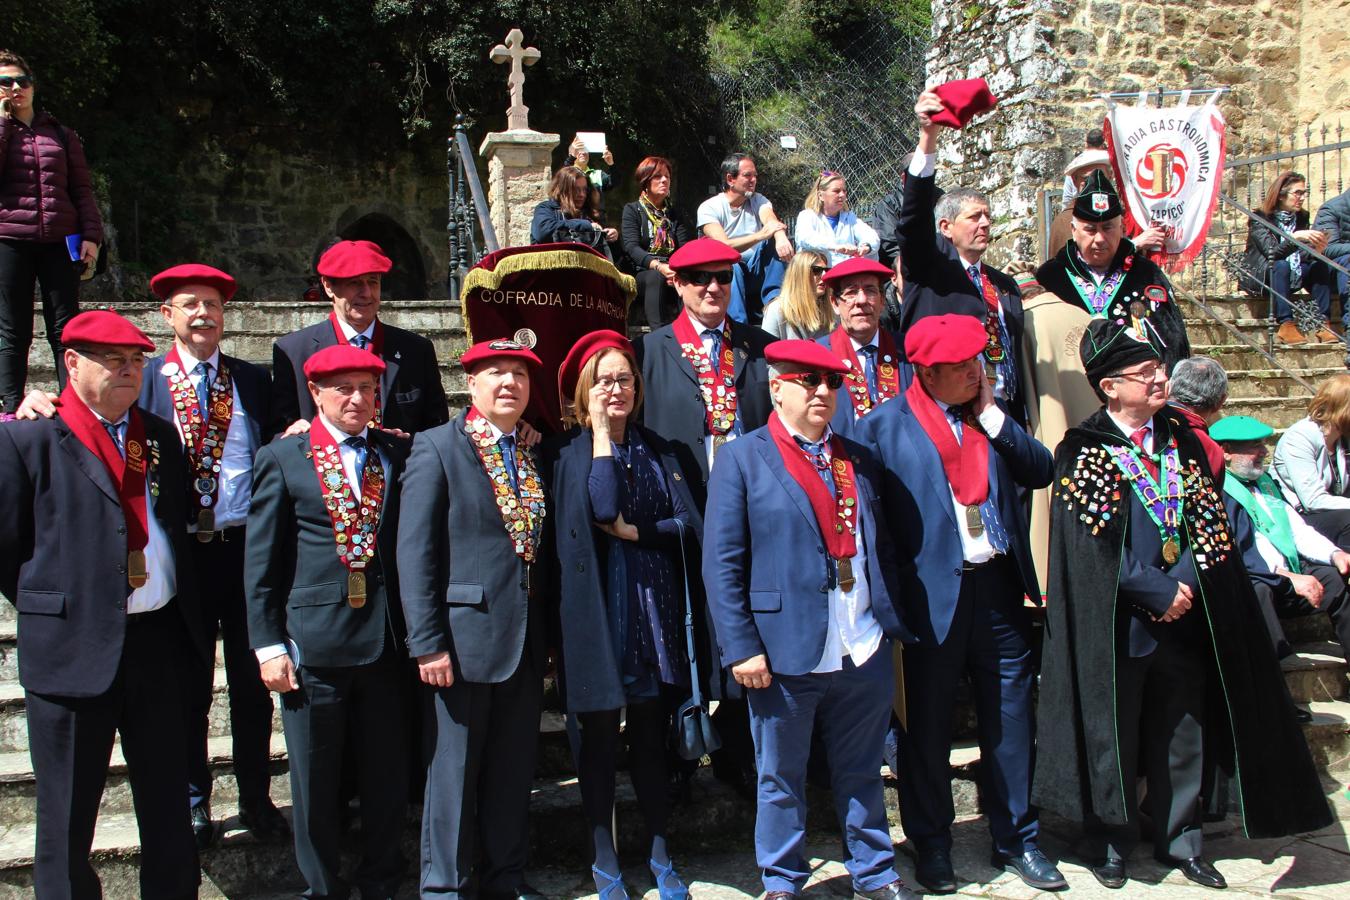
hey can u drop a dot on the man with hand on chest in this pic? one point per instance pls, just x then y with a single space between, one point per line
325 620
867 350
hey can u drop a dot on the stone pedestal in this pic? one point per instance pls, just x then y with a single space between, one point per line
519 169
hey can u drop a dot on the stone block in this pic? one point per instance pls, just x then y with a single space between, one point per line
1106 13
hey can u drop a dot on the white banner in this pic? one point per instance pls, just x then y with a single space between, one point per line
1168 164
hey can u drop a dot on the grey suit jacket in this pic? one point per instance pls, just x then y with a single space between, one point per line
1303 468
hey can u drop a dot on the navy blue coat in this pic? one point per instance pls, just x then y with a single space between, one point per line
845 423
63 553
765 564
918 503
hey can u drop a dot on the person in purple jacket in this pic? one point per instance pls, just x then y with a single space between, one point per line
47 215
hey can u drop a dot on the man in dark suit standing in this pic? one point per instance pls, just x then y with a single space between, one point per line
868 351
942 242
954 464
324 617
468 549
801 578
411 397
93 554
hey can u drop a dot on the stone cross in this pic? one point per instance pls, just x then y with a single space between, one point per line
515 52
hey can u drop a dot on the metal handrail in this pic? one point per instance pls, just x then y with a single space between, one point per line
480 204
1232 329
1271 226
468 214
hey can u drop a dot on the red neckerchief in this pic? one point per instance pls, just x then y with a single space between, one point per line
376 347
204 442
966 463
888 374
718 387
351 517
837 517
128 474
993 350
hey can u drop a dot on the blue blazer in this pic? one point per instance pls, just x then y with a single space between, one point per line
764 561
918 504
251 382
845 423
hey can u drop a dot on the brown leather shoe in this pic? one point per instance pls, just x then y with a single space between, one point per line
1289 334
1326 335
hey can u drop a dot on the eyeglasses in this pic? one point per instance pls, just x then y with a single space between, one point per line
826 173
208 305
1143 376
812 380
702 279
819 270
22 82
860 291
348 390
623 382
114 361
1295 193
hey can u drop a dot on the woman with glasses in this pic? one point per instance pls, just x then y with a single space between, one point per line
50 226
1312 461
651 232
802 309
625 522
1274 266
827 225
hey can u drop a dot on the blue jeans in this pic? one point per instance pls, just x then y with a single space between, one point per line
1280 277
1327 283
755 282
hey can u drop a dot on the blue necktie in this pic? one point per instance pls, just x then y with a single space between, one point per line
817 453
508 444
203 373
870 369
974 273
115 432
715 351
358 444
993 527
360 341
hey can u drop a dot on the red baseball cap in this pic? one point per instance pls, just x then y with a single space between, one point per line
348 259
104 328
949 338
858 265
485 350
702 252
166 283
807 354
342 358
580 354
963 101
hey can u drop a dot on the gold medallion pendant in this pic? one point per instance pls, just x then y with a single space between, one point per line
846 579
974 522
1171 551
136 572
356 589
206 525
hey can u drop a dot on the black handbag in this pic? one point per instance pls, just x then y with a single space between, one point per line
693 734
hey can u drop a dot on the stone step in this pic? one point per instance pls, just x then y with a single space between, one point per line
1206 330
1329 735
1255 383
9 650
1277 412
1308 629
1236 358
1238 306
1316 672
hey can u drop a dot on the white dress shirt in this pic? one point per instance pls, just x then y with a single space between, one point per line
350 333
236 461
975 549
1311 544
161 579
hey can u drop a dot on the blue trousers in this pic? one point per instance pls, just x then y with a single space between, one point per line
755 282
990 638
852 707
1326 283
1281 284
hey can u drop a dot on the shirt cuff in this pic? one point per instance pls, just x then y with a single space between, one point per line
272 651
991 420
923 165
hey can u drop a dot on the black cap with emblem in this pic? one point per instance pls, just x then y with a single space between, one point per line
1097 199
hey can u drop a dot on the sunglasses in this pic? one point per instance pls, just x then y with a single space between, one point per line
702 279
812 380
819 270
23 82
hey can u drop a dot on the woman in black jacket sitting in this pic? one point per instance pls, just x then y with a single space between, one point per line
1274 265
563 216
650 234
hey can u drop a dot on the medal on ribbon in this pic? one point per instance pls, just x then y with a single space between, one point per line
376 347
203 438
888 373
717 384
837 513
1162 502
522 510
356 521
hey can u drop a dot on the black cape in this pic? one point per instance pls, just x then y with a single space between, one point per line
1164 317
1249 725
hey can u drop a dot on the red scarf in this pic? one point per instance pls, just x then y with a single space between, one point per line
837 517
128 475
888 374
376 347
966 463
716 378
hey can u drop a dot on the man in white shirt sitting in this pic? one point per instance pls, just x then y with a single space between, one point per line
745 222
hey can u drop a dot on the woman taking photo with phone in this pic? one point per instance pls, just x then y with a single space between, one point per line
50 226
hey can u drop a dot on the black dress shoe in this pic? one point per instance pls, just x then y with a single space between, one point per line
933 870
1033 868
203 829
1111 874
264 821
1196 869
896 890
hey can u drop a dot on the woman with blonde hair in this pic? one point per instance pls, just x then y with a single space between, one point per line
1311 461
827 225
802 309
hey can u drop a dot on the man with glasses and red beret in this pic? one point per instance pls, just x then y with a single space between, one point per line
410 398
868 351
94 556
801 578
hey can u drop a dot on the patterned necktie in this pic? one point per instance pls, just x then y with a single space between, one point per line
869 354
508 444
360 341
818 459
714 351
115 432
358 444
974 273
1138 437
203 373
954 413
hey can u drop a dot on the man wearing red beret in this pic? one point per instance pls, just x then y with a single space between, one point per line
801 578
410 397
93 554
955 463
857 292
325 622
942 243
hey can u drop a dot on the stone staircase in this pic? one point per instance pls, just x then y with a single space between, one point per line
716 819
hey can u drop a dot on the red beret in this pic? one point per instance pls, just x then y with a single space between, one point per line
858 265
949 338
807 354
348 259
485 350
581 353
963 101
702 252
342 358
170 280
104 328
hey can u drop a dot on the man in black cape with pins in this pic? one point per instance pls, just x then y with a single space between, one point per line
1154 643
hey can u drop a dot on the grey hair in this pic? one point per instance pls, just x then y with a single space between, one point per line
777 370
950 204
1200 383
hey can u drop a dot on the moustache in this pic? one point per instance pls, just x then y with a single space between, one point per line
202 322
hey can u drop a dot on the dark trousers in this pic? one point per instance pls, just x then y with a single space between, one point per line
331 703
1282 603
70 740
1160 700
221 565
990 639
660 302
22 263
645 732
481 741
1333 524
1326 283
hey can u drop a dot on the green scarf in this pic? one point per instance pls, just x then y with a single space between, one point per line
1273 524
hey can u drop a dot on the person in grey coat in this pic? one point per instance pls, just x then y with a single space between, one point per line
1333 220
1311 459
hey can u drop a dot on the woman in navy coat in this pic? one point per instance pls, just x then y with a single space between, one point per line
622 508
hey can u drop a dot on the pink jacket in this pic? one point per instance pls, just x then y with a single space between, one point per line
45 192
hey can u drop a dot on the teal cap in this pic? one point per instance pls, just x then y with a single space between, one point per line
1240 429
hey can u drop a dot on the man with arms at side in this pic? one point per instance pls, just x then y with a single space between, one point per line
325 620
745 222
94 555
868 351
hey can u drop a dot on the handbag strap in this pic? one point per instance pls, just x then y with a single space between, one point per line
689 621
